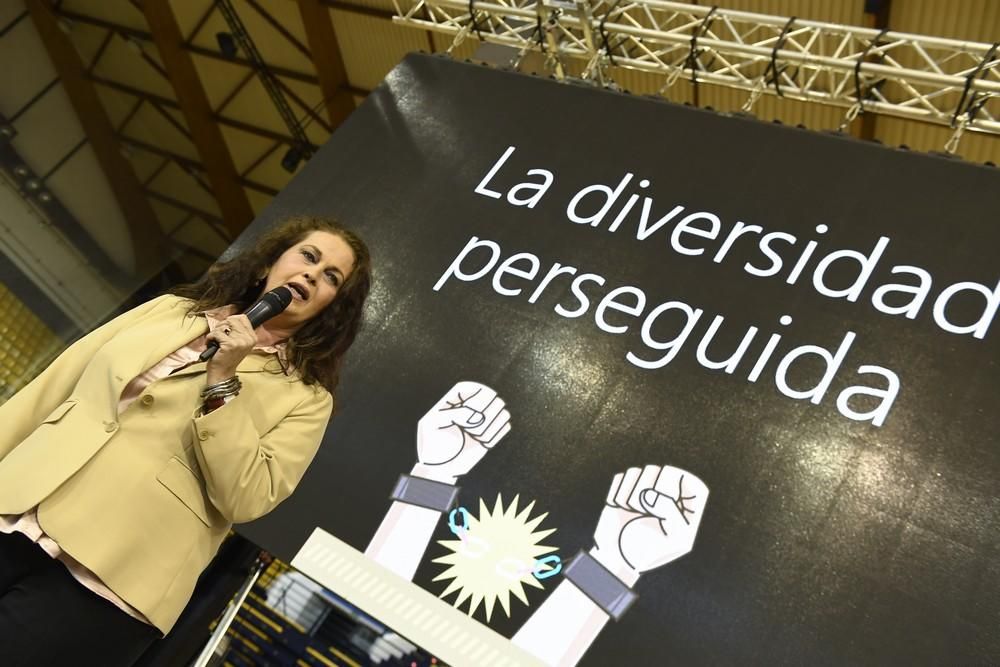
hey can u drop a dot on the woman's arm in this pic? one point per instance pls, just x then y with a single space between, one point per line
22 413
247 474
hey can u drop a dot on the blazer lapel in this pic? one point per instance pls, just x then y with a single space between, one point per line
172 335
255 362
168 334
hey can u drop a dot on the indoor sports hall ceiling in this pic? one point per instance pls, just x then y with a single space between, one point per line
145 138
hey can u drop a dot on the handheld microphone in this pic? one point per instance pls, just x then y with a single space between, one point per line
269 305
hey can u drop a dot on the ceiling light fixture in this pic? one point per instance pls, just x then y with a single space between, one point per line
292 159
227 44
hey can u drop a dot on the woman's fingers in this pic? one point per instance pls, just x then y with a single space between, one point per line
235 338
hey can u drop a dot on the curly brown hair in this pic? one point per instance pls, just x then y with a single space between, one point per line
317 349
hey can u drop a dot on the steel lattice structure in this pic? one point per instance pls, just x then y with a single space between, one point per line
937 80
267 78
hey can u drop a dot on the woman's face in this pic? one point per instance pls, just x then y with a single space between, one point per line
314 268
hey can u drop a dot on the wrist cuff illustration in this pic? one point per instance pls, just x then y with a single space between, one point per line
597 583
433 495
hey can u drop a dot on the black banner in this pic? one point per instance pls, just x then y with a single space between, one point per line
803 322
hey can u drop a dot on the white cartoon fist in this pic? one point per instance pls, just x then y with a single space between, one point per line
458 431
650 518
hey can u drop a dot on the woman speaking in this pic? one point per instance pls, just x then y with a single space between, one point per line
125 463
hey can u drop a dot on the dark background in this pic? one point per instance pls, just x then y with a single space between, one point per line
825 540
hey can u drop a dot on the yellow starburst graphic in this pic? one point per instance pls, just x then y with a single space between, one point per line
496 555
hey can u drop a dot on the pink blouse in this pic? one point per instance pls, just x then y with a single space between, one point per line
27 523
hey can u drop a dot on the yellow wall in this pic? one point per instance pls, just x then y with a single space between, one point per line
26 344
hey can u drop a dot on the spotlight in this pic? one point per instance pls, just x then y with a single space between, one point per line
227 45
291 160
21 171
33 184
44 197
8 131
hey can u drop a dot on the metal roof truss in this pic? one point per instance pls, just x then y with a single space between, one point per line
930 79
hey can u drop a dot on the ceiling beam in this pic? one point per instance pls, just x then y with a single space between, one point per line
308 110
261 158
176 124
260 187
123 123
213 54
144 231
186 207
189 164
155 173
100 51
137 92
349 8
326 57
13 23
237 89
283 72
208 139
281 29
286 72
153 98
213 221
257 131
191 250
201 23
135 33
33 101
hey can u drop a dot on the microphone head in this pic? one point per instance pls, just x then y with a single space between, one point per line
280 297
269 305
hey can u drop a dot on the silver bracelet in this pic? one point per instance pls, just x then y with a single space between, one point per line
228 382
595 581
228 387
220 394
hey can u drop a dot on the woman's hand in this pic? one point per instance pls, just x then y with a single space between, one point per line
236 338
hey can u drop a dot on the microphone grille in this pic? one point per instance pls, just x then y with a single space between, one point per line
282 296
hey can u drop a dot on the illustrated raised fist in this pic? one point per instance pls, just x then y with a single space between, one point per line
458 431
650 518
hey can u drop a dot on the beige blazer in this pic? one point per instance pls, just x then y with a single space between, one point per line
144 498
